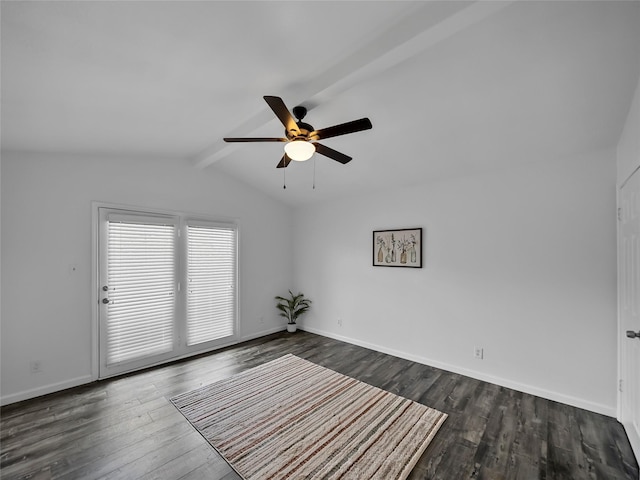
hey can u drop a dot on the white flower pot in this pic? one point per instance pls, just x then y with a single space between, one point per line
291 327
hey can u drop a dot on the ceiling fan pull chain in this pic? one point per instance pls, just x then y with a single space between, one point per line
284 178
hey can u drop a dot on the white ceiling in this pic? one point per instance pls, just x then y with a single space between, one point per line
451 88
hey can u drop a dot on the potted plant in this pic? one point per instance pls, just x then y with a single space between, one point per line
292 307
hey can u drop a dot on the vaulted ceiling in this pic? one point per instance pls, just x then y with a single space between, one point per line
452 88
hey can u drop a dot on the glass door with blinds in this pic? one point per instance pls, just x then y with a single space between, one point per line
211 280
167 288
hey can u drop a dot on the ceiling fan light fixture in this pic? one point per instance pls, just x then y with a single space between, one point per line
299 150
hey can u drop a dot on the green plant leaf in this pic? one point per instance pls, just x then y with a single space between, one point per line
292 307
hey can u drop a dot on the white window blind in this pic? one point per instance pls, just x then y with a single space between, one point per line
141 286
211 277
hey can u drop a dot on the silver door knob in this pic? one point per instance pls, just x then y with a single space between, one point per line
632 334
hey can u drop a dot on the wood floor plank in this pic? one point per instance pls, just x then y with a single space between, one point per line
159 444
186 463
126 427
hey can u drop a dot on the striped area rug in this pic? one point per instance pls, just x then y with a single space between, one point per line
290 418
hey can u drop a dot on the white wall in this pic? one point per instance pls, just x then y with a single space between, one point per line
46 227
521 262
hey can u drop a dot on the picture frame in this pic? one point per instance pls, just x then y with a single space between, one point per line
397 248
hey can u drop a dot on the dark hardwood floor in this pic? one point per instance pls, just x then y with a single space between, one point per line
125 428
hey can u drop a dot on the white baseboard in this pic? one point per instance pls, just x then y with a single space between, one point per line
45 389
264 333
610 411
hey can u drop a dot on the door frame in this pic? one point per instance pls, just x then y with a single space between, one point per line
95 280
634 438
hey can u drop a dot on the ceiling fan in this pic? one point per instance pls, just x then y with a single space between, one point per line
301 138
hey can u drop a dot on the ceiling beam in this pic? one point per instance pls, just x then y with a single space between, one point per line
423 25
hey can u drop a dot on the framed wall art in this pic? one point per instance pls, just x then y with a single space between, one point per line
397 248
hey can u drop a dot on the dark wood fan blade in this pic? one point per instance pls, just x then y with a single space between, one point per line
282 112
331 153
265 139
284 162
342 129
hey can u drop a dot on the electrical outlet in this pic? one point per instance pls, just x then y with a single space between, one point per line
478 352
339 321
35 366
261 319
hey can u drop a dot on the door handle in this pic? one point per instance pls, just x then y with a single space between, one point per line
632 334
105 300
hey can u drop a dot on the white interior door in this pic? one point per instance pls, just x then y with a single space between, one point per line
629 308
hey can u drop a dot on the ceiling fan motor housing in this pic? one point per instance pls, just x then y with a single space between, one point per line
304 129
